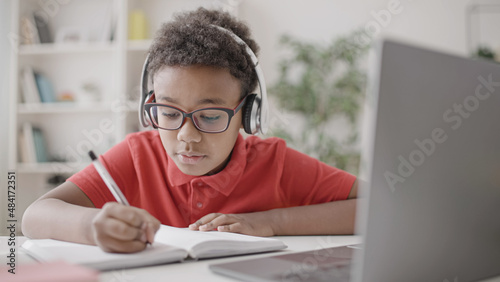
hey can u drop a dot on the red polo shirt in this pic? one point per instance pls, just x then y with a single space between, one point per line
262 174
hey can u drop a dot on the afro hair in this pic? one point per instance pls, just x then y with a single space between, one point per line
191 39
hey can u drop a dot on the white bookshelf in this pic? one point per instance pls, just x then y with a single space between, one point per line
62 108
67 48
114 66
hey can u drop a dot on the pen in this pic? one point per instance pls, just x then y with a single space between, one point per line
106 177
110 183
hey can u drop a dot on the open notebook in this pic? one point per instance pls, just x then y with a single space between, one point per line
171 245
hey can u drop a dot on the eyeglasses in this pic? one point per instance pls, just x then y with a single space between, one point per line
208 120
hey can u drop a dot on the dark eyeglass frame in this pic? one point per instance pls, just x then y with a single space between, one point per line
230 112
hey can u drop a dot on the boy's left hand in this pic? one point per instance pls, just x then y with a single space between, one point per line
255 224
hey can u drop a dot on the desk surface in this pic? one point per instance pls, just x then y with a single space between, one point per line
191 270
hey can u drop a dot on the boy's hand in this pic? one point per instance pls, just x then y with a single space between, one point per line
256 224
123 229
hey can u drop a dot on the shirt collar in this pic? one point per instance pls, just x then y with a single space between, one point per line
223 181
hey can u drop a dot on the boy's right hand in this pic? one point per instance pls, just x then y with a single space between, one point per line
123 229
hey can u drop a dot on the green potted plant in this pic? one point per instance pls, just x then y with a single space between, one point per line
321 84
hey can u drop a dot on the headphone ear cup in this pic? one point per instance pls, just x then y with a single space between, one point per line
149 118
250 110
146 116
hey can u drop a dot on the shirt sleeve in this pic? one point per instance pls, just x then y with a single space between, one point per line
307 181
121 169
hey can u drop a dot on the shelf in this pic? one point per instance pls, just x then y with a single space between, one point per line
114 66
50 167
61 48
73 108
63 107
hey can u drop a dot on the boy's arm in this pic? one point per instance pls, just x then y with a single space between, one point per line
66 213
329 218
53 215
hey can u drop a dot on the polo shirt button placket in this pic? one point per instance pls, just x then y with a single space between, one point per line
200 184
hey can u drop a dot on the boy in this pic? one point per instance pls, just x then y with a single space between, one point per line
194 172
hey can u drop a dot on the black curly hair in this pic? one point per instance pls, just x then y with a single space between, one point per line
190 39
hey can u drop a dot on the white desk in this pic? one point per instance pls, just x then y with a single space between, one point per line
198 270
190 270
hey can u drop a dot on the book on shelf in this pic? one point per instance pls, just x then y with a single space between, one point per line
108 24
27 144
40 146
29 32
24 156
36 87
45 89
42 26
171 245
29 88
32 146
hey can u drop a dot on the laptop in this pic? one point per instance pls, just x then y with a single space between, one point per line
431 162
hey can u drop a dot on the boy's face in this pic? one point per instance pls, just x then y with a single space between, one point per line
191 88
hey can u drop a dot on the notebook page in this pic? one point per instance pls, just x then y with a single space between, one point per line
203 244
94 257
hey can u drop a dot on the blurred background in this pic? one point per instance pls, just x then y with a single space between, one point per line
70 71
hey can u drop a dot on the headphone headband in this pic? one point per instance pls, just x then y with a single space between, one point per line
261 124
257 117
144 93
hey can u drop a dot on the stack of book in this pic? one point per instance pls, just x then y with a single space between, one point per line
36 87
32 147
35 30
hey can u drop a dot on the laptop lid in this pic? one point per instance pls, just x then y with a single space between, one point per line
432 155
432 158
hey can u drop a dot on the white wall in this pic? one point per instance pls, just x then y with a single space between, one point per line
439 23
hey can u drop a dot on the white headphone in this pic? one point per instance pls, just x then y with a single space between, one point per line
255 111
